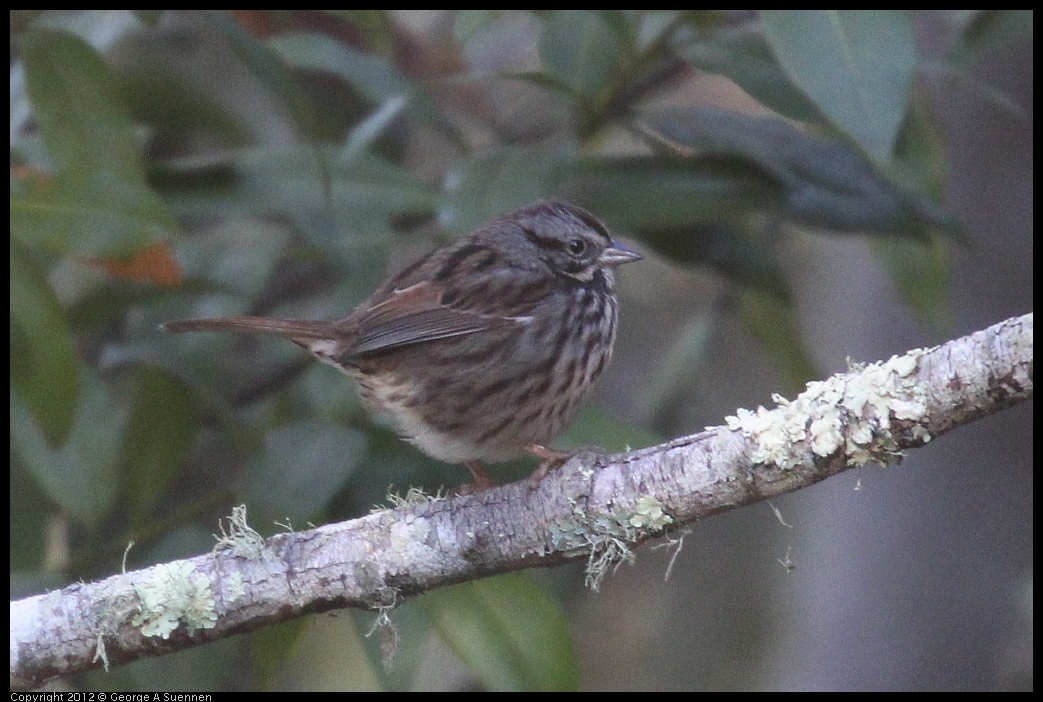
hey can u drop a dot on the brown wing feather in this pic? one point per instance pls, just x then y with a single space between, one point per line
414 315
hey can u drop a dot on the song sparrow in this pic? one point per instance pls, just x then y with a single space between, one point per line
484 348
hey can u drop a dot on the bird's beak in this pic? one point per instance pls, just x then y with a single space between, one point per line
618 254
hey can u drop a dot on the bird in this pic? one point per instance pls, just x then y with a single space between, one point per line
483 349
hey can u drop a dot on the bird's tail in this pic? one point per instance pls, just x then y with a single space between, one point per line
291 328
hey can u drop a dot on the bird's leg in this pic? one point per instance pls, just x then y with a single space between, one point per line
482 481
550 459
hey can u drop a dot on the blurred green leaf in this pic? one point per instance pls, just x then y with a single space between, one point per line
351 241
738 252
330 655
856 65
266 65
76 218
742 54
272 645
989 29
774 325
82 474
159 433
373 75
285 179
45 368
647 193
595 427
173 107
580 49
77 107
240 256
149 18
98 202
509 631
625 26
827 184
920 272
487 185
468 23
921 165
191 669
367 191
375 24
684 360
546 81
28 521
301 467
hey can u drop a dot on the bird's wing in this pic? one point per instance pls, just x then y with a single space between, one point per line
417 314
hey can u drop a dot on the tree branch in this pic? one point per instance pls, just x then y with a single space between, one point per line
594 507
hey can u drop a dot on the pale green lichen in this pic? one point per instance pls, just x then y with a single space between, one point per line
850 412
100 653
606 552
236 586
649 515
413 496
607 538
172 593
389 638
239 537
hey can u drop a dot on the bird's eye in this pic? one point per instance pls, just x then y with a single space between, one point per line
577 247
